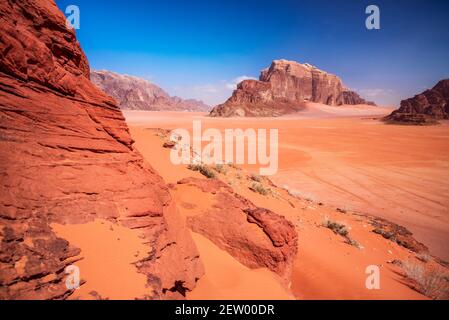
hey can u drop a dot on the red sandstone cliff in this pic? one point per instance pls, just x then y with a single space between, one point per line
66 156
133 93
431 105
283 88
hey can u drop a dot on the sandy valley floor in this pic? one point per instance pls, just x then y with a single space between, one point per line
354 162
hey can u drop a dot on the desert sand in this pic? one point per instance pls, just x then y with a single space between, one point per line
349 160
353 161
330 164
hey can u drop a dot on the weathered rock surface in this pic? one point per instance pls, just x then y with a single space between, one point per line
66 156
284 88
133 93
426 107
398 234
257 237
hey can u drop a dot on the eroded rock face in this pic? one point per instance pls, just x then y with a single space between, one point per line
283 88
425 107
66 156
257 237
133 93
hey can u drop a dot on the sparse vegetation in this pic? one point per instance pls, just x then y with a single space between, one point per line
384 233
424 257
342 230
353 243
220 169
336 227
203 169
428 281
259 188
232 165
256 177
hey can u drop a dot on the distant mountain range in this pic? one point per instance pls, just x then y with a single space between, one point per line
133 93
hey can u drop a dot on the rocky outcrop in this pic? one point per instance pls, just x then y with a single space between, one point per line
399 234
133 93
284 88
427 107
66 156
257 237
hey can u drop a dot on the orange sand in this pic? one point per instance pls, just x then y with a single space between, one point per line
108 251
326 267
355 162
226 278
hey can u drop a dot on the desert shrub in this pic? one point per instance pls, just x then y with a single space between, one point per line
342 230
232 165
430 282
384 233
203 169
424 257
336 227
256 177
353 242
220 168
259 188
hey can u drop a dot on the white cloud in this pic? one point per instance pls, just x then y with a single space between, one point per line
210 93
233 84
374 93
206 88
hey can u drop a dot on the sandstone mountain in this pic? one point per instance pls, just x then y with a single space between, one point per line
66 156
283 88
133 93
429 106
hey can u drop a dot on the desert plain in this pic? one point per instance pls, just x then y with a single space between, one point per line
346 159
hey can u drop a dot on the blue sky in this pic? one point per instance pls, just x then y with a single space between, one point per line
199 49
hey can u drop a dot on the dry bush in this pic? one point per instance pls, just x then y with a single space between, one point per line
342 230
336 227
220 168
428 281
256 177
424 257
259 188
203 169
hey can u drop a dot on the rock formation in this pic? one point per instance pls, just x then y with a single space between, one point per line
66 156
427 107
133 93
257 237
284 88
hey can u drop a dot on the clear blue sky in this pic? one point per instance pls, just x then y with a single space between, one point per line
197 49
